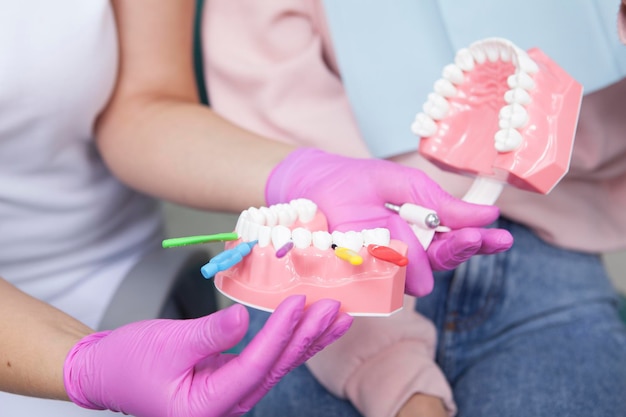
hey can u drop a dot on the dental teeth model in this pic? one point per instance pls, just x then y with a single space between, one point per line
503 115
295 254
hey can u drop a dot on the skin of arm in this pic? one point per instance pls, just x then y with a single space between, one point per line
35 339
155 135
423 405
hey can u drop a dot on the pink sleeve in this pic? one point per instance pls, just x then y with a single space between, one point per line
381 362
266 69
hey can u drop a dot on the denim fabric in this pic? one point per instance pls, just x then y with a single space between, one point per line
533 332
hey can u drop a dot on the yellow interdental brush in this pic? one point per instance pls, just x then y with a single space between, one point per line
348 255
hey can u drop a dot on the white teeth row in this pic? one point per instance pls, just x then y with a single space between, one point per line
279 214
302 238
511 118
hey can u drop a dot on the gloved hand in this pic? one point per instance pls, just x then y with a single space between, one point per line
174 368
352 193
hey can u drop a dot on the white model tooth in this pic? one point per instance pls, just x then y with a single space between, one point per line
305 208
525 62
464 59
239 226
513 116
287 215
292 213
445 88
378 236
271 218
322 240
492 51
521 80
280 236
245 230
478 53
507 140
506 53
256 215
339 238
517 95
275 209
368 237
381 236
453 73
252 232
424 125
353 241
301 237
436 107
265 236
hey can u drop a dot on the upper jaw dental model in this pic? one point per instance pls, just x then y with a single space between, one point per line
503 115
288 250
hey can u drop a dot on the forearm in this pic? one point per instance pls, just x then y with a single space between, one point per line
157 137
34 341
200 159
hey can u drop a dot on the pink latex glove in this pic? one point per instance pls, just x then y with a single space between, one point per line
352 193
174 368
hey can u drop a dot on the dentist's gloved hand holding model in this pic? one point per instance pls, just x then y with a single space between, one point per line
352 194
175 367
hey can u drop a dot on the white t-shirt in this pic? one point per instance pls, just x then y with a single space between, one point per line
69 231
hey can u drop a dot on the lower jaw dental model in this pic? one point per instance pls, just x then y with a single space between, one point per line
286 249
502 115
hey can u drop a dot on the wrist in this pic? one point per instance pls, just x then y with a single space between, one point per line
276 189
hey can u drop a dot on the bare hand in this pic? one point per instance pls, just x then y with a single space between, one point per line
423 405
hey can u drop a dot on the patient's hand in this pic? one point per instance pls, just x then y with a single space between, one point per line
423 405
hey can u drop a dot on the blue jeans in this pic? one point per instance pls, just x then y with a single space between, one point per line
533 332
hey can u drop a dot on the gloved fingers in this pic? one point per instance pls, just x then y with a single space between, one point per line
456 214
448 250
240 377
419 275
339 327
495 241
407 185
320 325
453 248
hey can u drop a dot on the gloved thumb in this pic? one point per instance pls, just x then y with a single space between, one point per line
215 333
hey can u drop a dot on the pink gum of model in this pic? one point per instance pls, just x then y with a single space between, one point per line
464 139
262 281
